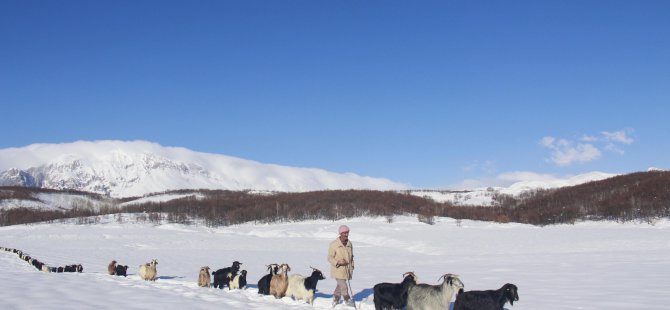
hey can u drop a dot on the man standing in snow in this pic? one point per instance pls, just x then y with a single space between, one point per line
341 259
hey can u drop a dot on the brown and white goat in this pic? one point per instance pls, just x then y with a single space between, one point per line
204 280
279 282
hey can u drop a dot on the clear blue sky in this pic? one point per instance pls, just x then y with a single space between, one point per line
429 93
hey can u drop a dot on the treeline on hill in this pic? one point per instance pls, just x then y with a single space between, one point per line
636 196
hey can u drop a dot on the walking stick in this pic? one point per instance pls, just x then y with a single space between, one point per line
351 292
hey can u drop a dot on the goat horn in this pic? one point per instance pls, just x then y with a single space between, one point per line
446 275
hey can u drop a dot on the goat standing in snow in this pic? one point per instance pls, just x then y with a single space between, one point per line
223 276
279 282
111 268
301 288
239 281
204 280
121 270
264 282
487 300
433 297
393 295
148 271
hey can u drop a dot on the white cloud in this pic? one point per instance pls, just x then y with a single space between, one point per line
565 152
547 142
588 138
612 147
618 136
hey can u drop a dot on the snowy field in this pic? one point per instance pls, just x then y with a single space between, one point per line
592 265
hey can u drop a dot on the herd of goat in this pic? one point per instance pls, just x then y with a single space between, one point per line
415 296
407 294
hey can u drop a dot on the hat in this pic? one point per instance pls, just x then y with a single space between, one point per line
344 228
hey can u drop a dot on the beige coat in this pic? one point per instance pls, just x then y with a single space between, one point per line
338 251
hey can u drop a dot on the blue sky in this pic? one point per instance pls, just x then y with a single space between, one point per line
430 93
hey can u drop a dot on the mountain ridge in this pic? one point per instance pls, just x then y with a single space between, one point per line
134 168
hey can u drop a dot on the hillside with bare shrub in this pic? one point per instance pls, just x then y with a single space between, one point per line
641 196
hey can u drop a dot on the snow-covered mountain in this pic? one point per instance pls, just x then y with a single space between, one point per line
484 196
135 168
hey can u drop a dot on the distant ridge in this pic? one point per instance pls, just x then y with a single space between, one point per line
135 168
641 196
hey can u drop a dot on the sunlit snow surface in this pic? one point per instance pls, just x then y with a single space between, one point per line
592 265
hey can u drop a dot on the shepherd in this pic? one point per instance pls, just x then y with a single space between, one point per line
341 259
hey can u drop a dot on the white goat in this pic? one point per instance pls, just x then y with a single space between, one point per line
433 297
148 271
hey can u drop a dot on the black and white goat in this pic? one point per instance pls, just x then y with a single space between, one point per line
239 281
223 276
433 297
487 300
301 288
37 264
393 295
264 282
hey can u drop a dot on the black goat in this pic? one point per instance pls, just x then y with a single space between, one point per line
487 300
264 282
223 276
243 279
393 295
313 279
73 268
121 270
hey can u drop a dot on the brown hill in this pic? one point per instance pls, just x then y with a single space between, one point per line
635 196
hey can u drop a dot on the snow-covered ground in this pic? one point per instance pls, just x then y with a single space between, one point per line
591 265
160 198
